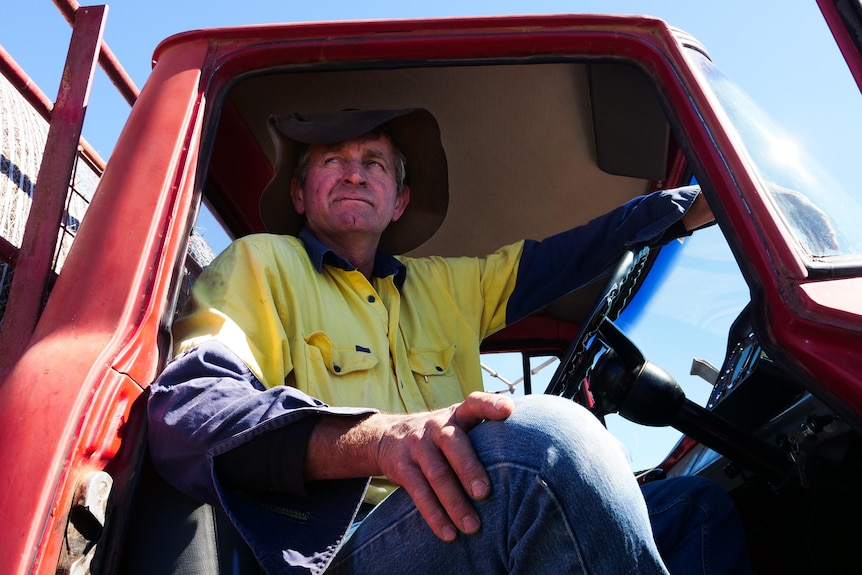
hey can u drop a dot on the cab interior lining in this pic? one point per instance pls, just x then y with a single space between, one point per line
508 129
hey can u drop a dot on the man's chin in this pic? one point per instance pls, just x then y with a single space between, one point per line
357 223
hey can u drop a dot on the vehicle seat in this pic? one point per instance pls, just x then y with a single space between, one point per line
172 534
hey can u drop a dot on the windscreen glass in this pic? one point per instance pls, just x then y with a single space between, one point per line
821 212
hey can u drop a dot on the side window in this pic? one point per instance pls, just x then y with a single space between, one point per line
517 373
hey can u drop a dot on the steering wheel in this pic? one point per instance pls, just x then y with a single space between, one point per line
588 343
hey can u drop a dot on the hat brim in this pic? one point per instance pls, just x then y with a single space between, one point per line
414 131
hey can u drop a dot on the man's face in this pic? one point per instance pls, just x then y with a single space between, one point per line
350 189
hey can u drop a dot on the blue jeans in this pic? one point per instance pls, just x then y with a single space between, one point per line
696 527
564 501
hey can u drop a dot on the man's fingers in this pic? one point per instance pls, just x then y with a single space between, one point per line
461 457
439 498
429 506
480 406
440 469
456 446
432 458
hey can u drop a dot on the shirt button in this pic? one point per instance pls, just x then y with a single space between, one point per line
336 368
438 368
371 299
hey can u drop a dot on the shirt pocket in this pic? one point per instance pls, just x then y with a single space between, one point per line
434 372
339 375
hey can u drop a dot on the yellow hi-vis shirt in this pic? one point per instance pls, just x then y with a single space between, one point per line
347 341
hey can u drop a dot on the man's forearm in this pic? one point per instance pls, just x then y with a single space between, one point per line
341 447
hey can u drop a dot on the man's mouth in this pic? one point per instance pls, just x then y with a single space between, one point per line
353 199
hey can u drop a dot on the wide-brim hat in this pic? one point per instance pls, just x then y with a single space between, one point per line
414 131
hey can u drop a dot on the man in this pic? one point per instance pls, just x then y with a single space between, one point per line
308 364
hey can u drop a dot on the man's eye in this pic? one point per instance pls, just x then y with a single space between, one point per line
375 164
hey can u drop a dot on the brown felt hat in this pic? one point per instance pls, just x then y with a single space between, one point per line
414 131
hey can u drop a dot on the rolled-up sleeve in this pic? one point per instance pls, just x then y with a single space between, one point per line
207 402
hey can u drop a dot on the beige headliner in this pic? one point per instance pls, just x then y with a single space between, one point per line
518 138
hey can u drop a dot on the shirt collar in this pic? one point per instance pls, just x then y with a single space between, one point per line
384 264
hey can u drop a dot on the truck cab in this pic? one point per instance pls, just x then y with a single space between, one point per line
547 122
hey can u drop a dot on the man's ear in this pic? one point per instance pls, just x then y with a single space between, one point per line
401 202
296 196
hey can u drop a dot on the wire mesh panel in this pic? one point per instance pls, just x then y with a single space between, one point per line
82 184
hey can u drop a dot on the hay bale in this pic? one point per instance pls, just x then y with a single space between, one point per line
23 133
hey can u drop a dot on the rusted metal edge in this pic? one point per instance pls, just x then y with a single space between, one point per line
110 64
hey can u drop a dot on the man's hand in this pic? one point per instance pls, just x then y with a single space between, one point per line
428 454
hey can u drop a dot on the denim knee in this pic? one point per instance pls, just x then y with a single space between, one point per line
557 437
549 420
559 476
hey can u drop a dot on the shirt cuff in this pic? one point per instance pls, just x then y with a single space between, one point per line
264 463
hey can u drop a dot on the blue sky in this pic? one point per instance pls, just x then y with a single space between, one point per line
779 51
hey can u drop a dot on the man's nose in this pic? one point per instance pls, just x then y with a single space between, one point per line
354 173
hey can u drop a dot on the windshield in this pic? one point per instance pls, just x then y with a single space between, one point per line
822 214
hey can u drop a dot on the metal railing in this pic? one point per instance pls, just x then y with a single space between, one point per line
51 223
